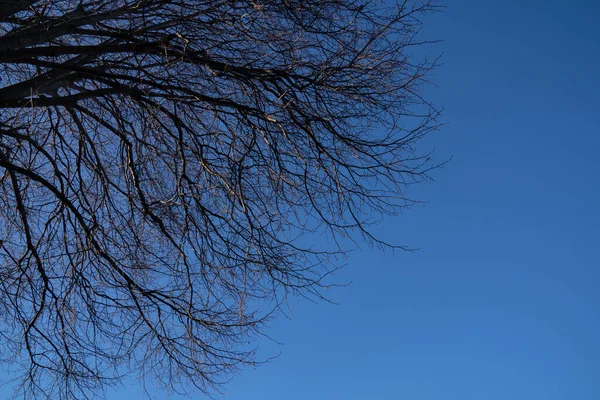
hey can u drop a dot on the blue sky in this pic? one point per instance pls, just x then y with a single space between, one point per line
503 300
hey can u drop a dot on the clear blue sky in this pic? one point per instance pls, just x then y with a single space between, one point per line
503 299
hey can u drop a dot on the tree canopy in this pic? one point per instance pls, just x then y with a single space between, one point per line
165 166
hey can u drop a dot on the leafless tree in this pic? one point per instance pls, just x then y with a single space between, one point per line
166 164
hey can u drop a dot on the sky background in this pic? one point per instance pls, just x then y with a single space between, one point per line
503 300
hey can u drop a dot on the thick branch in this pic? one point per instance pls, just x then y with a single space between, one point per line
11 7
63 101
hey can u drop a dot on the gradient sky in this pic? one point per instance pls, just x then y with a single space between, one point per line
503 300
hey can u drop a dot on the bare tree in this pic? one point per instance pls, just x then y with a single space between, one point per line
164 164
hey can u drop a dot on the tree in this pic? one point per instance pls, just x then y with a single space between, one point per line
164 164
